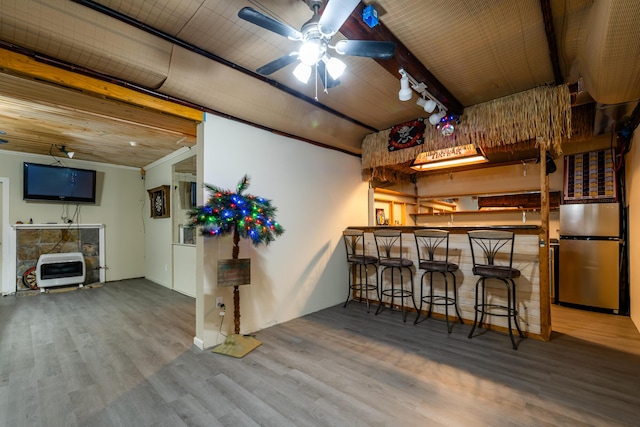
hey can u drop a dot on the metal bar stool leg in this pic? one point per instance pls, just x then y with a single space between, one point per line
455 297
510 315
366 284
350 288
484 302
380 291
446 301
476 308
402 296
515 309
412 292
415 322
430 294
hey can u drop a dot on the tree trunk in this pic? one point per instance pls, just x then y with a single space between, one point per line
236 290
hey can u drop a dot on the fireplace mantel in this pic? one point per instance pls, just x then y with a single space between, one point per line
56 225
13 250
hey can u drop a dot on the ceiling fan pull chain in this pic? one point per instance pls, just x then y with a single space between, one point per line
326 79
316 76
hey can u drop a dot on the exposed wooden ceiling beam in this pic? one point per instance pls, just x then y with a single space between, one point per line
547 16
354 28
24 65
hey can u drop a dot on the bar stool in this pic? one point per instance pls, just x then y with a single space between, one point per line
357 258
433 257
390 256
492 245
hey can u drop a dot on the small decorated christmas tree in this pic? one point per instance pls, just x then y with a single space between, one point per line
241 215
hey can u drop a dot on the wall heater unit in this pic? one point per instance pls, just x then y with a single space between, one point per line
60 269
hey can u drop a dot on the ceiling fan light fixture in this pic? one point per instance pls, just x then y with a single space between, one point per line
310 52
302 72
405 90
335 67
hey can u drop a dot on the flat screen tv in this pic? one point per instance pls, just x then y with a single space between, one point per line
58 183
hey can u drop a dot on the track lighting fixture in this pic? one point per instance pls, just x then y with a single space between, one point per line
63 149
428 102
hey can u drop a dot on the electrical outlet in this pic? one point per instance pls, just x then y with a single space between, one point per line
219 302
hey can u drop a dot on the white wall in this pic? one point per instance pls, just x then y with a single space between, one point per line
318 192
158 232
633 201
118 207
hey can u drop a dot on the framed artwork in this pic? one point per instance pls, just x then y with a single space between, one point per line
380 217
159 201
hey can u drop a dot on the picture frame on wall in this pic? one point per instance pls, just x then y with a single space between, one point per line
380 217
160 202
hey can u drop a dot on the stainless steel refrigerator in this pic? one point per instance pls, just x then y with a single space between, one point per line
590 255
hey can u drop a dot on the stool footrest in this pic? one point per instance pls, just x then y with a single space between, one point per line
485 308
364 287
402 293
440 300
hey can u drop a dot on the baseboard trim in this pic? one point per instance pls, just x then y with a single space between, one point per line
198 343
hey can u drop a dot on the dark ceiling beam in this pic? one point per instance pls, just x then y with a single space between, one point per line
356 29
547 16
634 121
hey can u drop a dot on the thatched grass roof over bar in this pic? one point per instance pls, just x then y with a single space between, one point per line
541 116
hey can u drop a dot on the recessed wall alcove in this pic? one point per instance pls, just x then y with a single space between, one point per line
29 241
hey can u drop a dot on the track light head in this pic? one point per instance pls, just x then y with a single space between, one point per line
405 90
434 119
63 149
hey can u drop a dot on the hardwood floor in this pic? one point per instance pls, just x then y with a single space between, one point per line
121 355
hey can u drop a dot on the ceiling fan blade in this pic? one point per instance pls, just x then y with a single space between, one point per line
327 81
334 15
368 48
277 64
268 23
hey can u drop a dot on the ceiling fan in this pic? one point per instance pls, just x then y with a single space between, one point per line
315 35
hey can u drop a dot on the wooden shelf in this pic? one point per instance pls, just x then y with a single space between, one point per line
480 211
393 192
520 201
397 202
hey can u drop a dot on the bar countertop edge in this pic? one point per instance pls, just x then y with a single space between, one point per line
517 229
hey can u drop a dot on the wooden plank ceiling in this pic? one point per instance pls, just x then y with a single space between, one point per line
200 52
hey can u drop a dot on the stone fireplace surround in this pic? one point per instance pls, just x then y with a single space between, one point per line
29 241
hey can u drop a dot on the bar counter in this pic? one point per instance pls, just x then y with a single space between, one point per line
525 258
